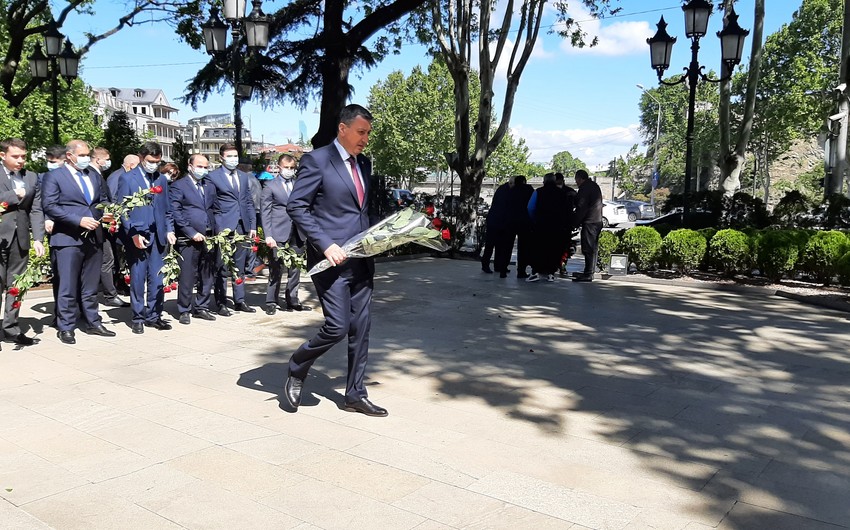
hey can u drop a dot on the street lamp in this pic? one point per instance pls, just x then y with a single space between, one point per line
655 175
58 62
256 32
697 13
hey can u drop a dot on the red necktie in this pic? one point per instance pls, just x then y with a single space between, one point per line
358 186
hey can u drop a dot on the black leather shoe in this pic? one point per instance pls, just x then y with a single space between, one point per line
503 275
364 406
487 269
242 306
115 302
20 339
292 390
100 330
583 278
203 314
270 309
67 337
159 324
185 318
224 312
298 307
138 328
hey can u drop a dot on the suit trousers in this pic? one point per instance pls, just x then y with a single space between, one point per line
13 260
146 294
293 280
197 268
524 250
590 245
79 276
346 295
107 281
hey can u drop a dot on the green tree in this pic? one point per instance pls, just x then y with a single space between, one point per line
180 154
510 158
121 138
564 162
633 173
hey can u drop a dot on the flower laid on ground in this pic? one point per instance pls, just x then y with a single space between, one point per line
226 242
170 270
120 210
37 270
406 226
437 223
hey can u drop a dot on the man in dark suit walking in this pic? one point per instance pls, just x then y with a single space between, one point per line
69 198
191 208
233 208
588 216
19 190
329 204
147 232
279 229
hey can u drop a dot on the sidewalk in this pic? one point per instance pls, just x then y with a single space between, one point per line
512 405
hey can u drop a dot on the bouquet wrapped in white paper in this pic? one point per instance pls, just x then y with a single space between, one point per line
406 226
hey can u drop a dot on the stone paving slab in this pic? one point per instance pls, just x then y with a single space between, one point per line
512 405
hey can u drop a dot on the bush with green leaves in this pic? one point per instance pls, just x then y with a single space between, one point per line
821 253
777 252
684 248
641 244
608 243
729 251
842 269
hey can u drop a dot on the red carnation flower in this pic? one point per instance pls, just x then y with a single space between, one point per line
173 286
14 291
16 304
446 233
156 189
167 288
429 210
4 205
255 248
113 229
437 222
256 239
127 279
238 281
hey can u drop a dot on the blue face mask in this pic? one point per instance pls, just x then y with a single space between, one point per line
54 165
83 162
199 172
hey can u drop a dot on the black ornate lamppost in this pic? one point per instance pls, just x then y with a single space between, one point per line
58 62
697 13
255 28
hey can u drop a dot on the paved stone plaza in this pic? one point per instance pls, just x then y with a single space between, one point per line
606 405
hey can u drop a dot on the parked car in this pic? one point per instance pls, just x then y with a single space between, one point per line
613 214
638 210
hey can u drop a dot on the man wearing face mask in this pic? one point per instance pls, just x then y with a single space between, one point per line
70 195
147 232
234 209
101 163
18 188
191 207
279 229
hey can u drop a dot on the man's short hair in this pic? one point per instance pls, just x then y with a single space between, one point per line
54 152
12 142
226 147
101 152
195 156
549 178
350 112
582 174
150 149
559 176
285 157
519 179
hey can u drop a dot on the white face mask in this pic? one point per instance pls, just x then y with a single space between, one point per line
231 162
83 162
149 167
287 173
199 172
54 165
106 164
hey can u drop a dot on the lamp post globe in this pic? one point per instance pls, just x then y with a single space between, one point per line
661 48
69 62
697 13
234 9
257 27
732 38
53 40
215 33
39 63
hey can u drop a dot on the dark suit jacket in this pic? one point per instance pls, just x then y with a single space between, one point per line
324 204
63 201
112 183
588 204
21 213
277 223
153 219
229 206
192 213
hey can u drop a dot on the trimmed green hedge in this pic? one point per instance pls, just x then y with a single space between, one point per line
608 243
684 248
730 251
641 244
821 254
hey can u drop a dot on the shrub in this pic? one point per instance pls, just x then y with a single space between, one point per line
684 248
742 210
777 253
842 268
729 251
821 253
793 209
641 244
608 243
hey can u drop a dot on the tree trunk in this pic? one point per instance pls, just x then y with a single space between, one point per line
835 183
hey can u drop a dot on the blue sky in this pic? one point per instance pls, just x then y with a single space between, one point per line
582 101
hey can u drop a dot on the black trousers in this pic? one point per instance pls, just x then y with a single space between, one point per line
590 245
197 269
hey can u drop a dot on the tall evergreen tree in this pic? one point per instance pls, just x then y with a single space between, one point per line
120 137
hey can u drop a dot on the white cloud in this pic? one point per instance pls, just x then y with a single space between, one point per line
592 146
615 39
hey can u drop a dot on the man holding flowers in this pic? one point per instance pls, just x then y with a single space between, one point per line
329 203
